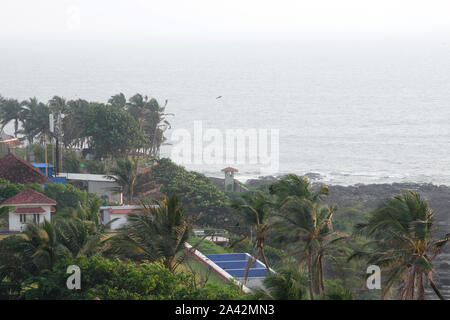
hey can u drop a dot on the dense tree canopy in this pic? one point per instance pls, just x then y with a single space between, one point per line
118 128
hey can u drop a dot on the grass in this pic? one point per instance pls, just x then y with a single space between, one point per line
207 247
201 271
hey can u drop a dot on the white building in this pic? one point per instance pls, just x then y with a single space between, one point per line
98 184
28 206
116 212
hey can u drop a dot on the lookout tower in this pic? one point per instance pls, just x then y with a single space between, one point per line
229 177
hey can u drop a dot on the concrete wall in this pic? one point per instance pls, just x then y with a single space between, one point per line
16 225
106 217
122 219
104 189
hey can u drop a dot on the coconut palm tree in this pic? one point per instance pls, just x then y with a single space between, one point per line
288 283
294 186
151 118
77 236
124 174
11 110
157 232
255 209
403 244
35 117
44 247
118 100
305 226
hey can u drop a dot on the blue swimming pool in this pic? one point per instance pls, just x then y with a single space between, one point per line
236 263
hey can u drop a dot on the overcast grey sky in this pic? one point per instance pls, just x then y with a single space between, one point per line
223 19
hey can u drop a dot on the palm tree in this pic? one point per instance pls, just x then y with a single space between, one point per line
58 105
118 100
157 233
288 283
255 209
294 186
11 110
44 247
77 236
35 119
403 244
156 125
305 226
3 212
151 118
124 174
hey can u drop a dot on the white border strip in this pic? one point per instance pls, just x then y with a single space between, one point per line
221 272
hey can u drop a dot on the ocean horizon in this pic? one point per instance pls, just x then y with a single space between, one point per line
373 111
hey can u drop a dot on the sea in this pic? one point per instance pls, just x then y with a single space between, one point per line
362 109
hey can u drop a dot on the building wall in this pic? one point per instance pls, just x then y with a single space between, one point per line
122 219
103 188
16 225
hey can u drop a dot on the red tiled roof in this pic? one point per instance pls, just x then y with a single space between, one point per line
29 210
29 196
113 211
52 209
17 170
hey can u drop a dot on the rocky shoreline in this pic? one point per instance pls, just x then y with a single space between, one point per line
371 195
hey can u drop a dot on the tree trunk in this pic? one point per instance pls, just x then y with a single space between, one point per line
310 276
436 290
322 285
420 287
265 259
247 268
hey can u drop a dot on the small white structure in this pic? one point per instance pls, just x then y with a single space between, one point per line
28 206
229 178
117 212
99 184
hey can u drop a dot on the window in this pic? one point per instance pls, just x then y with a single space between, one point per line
36 218
22 218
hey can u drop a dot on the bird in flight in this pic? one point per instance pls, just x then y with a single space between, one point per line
218 97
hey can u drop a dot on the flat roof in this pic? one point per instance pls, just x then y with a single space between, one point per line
86 177
41 165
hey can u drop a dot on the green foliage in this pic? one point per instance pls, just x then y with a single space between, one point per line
118 280
305 227
16 265
335 291
202 200
116 129
8 189
113 131
124 174
347 217
288 283
38 150
206 246
71 162
403 244
157 233
67 195
95 167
